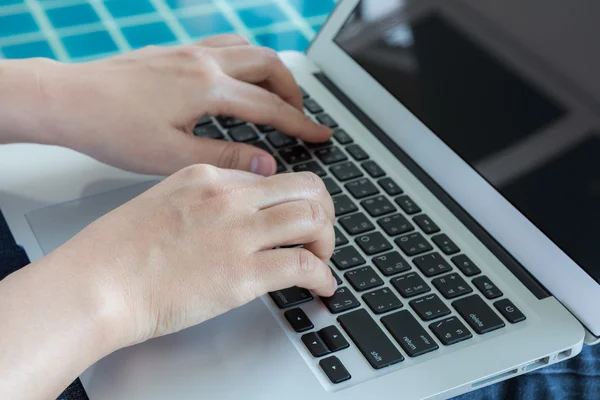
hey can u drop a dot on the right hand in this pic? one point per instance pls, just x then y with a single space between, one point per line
200 243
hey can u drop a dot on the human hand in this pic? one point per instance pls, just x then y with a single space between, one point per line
137 110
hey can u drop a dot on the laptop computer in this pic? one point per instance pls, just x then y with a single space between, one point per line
465 175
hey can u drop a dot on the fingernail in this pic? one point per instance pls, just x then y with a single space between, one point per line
262 165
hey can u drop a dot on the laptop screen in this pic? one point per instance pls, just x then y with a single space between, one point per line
515 131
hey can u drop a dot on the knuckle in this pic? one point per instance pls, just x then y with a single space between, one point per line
312 182
315 212
305 262
240 38
270 55
202 172
229 156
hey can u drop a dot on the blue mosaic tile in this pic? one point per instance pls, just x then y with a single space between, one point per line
128 8
79 14
206 24
14 24
292 40
309 8
89 44
28 50
144 35
256 17
176 4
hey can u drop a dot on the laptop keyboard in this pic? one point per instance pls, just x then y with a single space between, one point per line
392 262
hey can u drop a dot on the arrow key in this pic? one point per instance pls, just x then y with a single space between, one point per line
333 338
298 320
314 344
334 369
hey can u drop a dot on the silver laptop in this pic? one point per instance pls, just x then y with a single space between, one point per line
466 178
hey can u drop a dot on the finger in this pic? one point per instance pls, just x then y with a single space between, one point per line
261 65
251 103
225 40
282 268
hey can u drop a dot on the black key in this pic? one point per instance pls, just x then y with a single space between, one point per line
243 133
341 136
294 155
312 106
332 187
373 243
310 167
445 244
478 314
363 278
208 131
395 225
465 264
205 119
450 331
362 188
432 264
410 285
429 307
315 344
343 205
340 239
487 287
356 224
290 297
333 338
341 300
325 119
304 94
347 257
357 152
280 166
373 169
413 244
337 278
298 320
407 331
279 140
330 155
408 205
229 122
374 345
391 263
265 128
317 145
263 146
390 186
382 300
509 310
346 171
334 369
378 206
426 224
452 285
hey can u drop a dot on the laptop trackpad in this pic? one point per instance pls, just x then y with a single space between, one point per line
54 225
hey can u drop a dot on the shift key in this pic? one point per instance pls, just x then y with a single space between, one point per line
379 351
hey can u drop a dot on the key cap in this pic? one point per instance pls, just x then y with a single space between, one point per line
304 94
290 297
337 278
373 169
356 224
317 145
509 310
465 264
357 152
342 300
361 188
410 285
382 300
243 133
478 314
315 344
229 122
343 205
312 106
333 338
208 131
426 224
279 140
432 264
450 331
451 286
341 136
327 120
390 186
332 187
395 225
330 155
409 333
280 166
378 206
205 119
334 369
408 205
264 128
347 257
298 320
487 287
445 244
310 167
340 239
374 345
429 307
373 243
391 263
413 244
294 155
262 145
363 278
346 171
